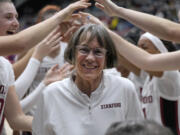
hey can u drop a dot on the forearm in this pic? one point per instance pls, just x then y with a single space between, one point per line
27 77
143 59
29 37
28 102
22 123
129 51
14 114
160 27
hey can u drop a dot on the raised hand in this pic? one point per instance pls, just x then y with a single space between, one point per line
84 18
107 6
67 29
57 74
48 45
67 36
73 7
88 18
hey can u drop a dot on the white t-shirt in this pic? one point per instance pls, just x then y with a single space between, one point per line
64 110
138 80
112 71
46 64
159 99
6 80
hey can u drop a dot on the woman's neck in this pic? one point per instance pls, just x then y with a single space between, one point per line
87 86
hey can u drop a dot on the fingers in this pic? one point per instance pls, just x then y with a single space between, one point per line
98 5
75 16
54 37
86 4
85 17
66 67
81 4
69 33
55 67
88 18
66 70
83 14
100 1
84 0
54 43
64 26
55 49
48 45
54 32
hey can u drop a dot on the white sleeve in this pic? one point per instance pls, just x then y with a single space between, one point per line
28 102
11 75
41 124
169 85
26 78
134 109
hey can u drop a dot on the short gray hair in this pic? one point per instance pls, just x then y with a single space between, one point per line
103 38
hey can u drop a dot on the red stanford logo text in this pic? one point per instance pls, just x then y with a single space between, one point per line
113 105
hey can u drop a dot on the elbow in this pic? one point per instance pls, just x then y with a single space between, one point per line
13 126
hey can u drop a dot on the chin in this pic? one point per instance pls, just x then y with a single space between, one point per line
90 76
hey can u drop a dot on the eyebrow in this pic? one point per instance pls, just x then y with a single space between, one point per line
84 44
10 13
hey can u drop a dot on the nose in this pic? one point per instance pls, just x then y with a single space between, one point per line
90 56
16 23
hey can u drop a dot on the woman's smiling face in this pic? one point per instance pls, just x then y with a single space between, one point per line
8 19
90 59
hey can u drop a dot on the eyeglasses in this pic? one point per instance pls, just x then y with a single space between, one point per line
97 52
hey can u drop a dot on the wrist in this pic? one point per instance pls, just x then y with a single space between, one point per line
37 57
61 15
119 11
46 82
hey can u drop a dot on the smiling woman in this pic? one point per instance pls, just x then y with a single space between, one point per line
88 48
8 22
95 98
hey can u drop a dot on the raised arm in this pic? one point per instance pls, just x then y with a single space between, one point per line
54 74
31 36
143 59
139 57
160 27
44 48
